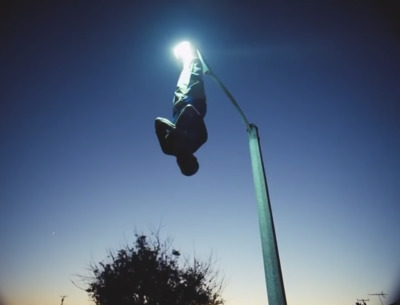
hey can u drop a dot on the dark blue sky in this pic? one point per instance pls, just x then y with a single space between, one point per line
81 168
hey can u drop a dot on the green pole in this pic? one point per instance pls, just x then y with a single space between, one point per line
272 265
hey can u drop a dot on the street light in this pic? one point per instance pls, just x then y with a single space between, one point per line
184 51
272 266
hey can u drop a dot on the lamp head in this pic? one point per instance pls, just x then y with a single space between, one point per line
185 52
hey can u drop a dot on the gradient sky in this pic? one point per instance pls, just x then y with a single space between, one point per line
81 168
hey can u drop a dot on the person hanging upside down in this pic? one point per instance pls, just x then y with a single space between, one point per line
186 132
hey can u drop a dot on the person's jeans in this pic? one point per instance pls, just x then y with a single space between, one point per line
190 90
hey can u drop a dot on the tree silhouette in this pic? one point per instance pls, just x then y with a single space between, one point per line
150 273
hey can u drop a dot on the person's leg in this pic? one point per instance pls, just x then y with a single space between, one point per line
190 89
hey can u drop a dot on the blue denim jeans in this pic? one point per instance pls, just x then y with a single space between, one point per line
190 90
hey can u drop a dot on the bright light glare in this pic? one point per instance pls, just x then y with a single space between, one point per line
184 51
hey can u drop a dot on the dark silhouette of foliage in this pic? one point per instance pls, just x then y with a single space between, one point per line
150 274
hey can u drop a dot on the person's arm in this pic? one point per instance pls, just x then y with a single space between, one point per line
164 130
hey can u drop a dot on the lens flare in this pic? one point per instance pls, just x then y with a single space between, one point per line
184 51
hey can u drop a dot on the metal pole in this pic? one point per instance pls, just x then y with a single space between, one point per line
272 265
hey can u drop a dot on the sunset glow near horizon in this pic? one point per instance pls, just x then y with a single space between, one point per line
81 169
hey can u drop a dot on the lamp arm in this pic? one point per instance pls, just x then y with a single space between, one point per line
208 71
232 99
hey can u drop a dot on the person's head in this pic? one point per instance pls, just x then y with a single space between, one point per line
188 164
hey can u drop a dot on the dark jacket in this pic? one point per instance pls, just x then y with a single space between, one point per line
185 136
